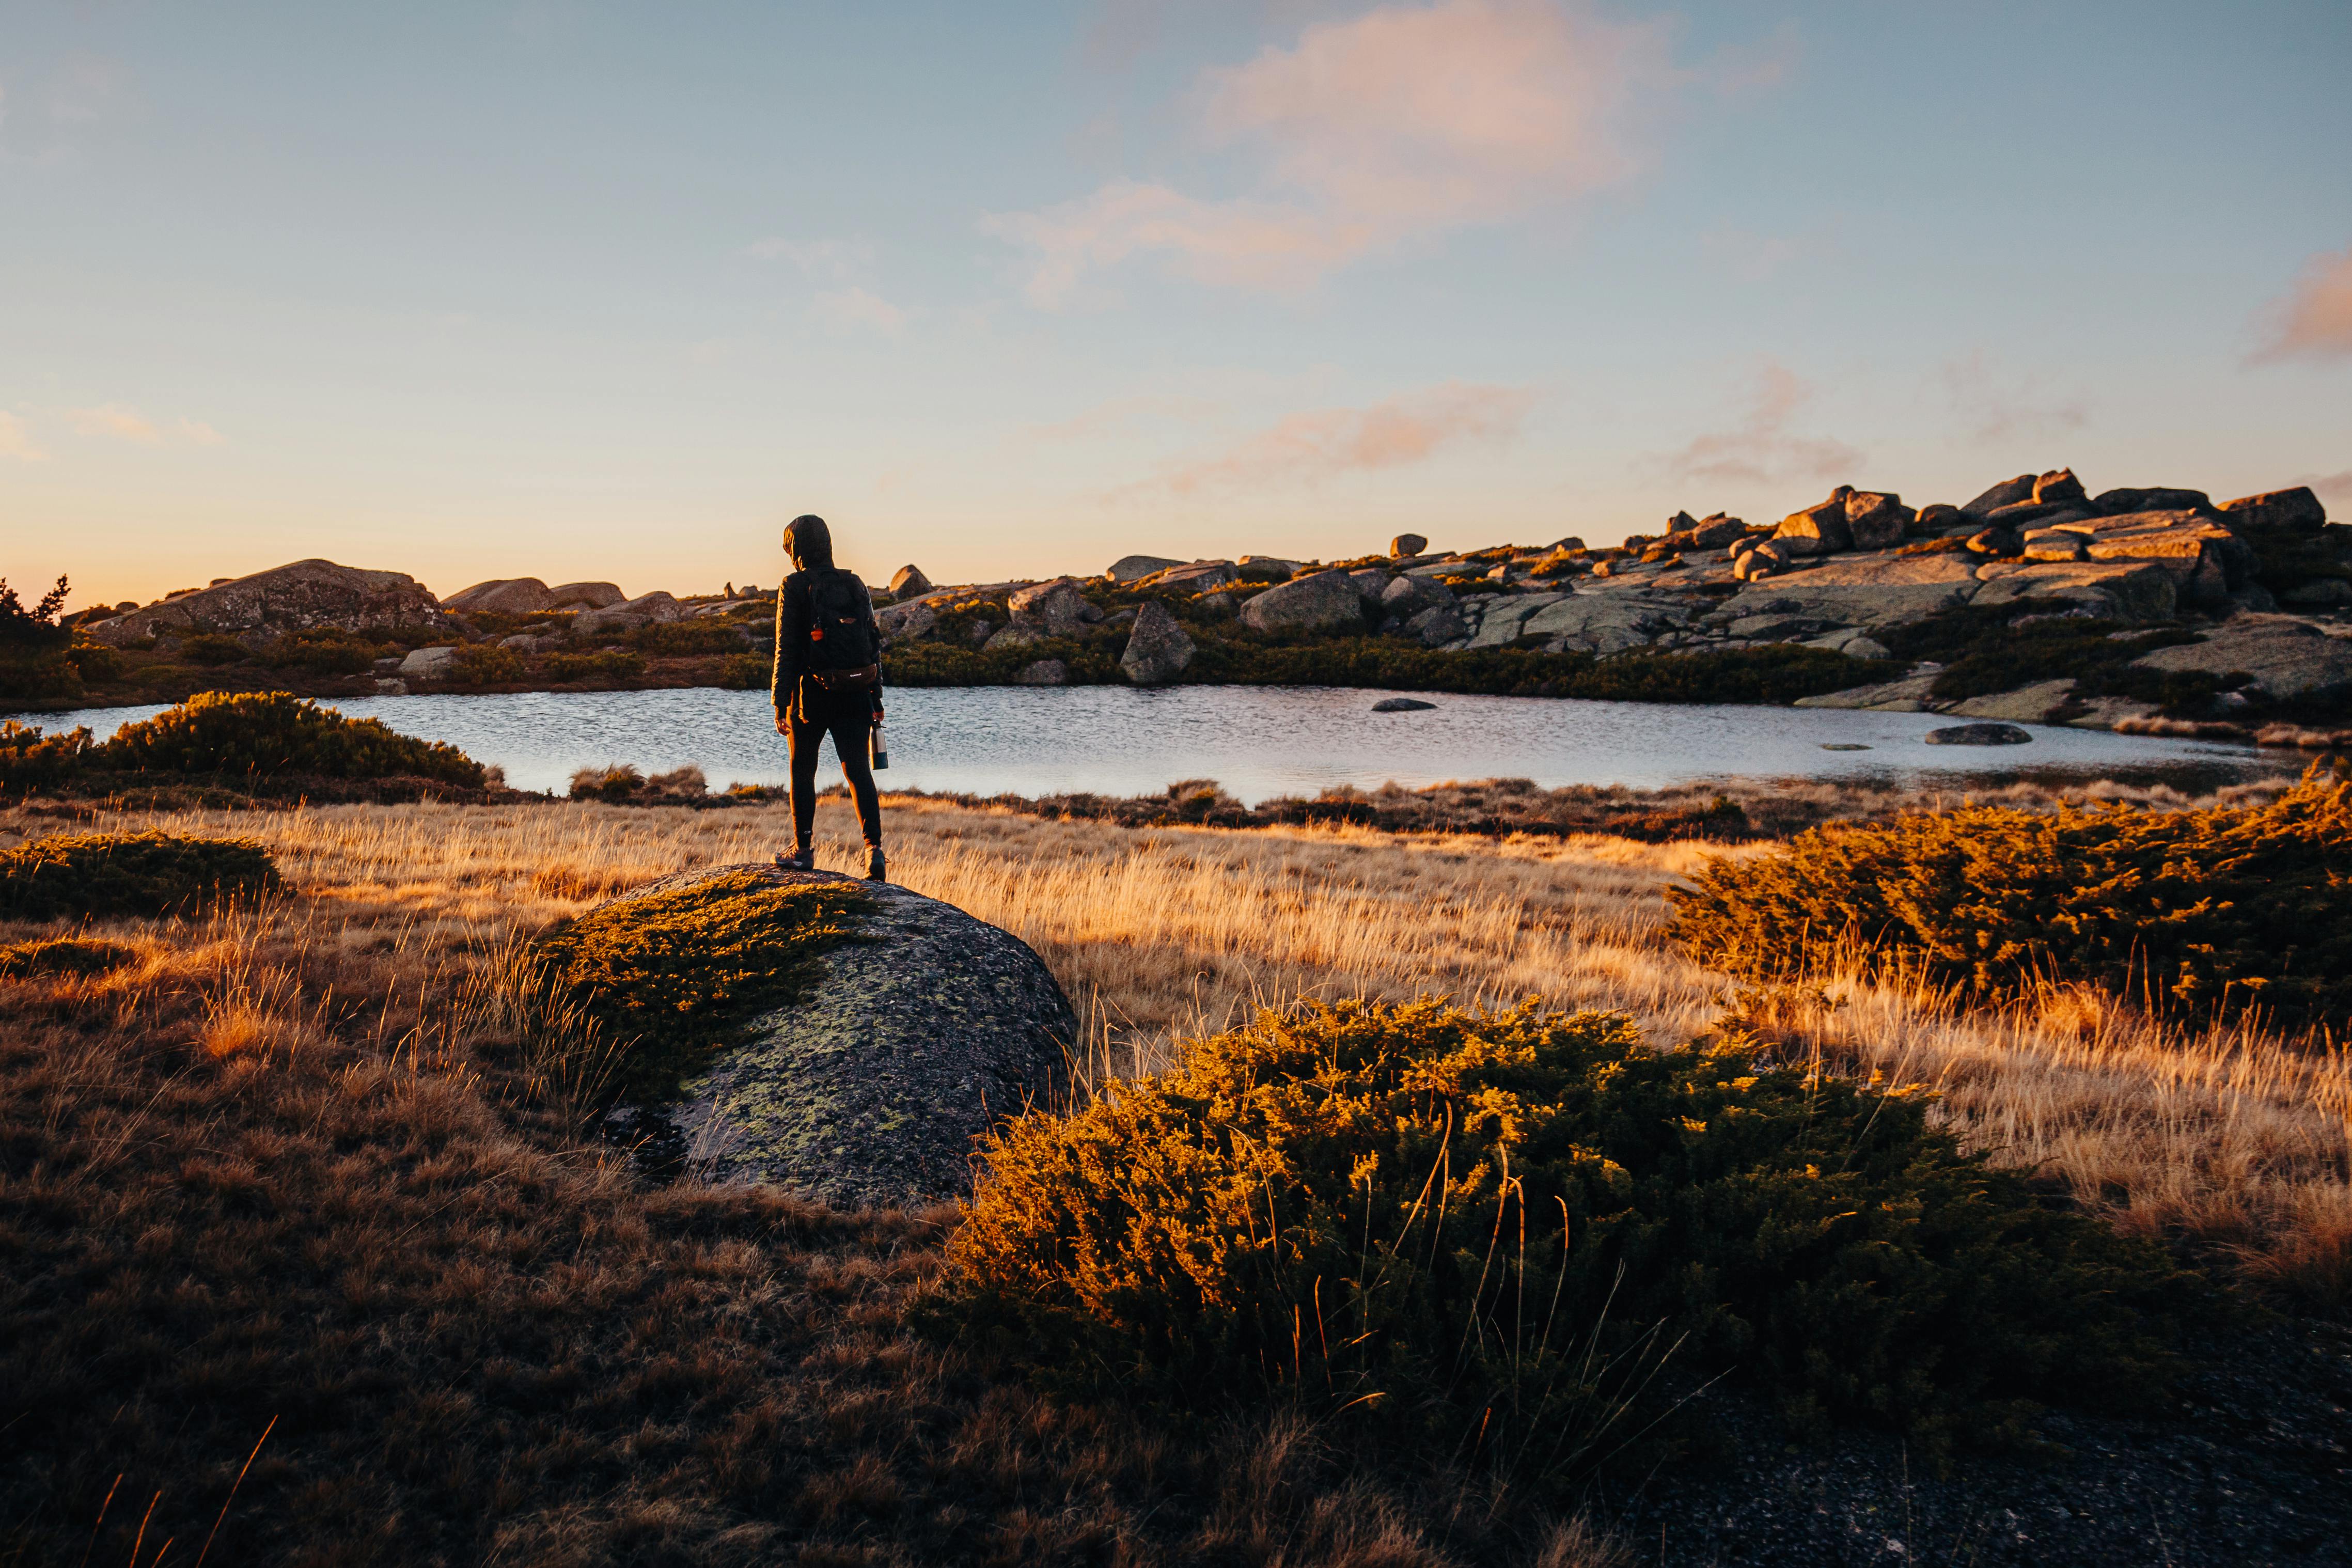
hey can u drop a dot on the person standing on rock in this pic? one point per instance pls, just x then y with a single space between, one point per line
828 681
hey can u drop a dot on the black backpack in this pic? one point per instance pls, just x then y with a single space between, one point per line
841 622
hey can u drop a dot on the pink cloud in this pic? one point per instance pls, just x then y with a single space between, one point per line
1759 448
1403 122
2314 321
1323 443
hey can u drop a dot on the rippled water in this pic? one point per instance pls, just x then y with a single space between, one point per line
1258 742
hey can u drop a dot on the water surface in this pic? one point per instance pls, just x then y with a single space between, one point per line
1258 742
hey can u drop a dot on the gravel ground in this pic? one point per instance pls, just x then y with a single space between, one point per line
2253 1467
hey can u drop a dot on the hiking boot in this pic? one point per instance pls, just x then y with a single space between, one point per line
874 867
800 859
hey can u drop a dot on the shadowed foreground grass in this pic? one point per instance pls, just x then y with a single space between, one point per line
294 1165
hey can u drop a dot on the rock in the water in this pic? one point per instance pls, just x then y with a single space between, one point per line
2298 508
1402 705
595 595
873 1088
2009 493
505 596
646 609
1328 600
1056 608
1843 746
908 581
284 598
1043 672
1819 530
1407 544
2287 656
1132 568
1158 649
1978 735
428 663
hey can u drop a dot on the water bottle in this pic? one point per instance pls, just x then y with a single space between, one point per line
879 746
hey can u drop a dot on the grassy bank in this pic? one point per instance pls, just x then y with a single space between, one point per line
289 1165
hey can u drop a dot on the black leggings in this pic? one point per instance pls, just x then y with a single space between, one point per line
848 718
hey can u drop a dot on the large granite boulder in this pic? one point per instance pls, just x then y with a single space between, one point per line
1158 649
2287 656
2031 704
1328 600
1819 530
1876 519
1266 569
907 621
2124 590
2009 493
2298 508
2155 499
301 594
430 664
1597 623
594 596
1863 590
921 1032
1056 608
646 609
1199 577
1134 568
1407 544
505 596
908 582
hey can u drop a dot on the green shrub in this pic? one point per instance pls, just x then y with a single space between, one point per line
211 650
709 635
62 955
96 663
30 760
484 664
668 976
34 657
322 650
2198 912
132 874
748 672
1459 1217
277 732
607 666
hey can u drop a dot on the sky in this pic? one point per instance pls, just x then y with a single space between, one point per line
614 291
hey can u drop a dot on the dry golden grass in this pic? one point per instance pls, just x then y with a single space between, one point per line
2224 1137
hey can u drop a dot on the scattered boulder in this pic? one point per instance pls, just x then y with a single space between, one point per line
1135 568
1327 601
1057 608
908 581
1045 672
302 594
1200 577
646 609
1402 705
2009 493
1996 542
1938 516
505 596
524 642
1714 532
1876 519
1405 595
1407 544
1763 561
594 595
1819 530
1157 649
2298 508
428 663
1437 626
2026 705
2059 487
1978 735
1371 583
907 621
872 1089
2287 656
2116 502
1266 569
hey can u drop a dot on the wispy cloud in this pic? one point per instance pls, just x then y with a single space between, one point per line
1759 448
124 423
1403 122
2315 320
1320 444
2331 487
16 441
839 259
1996 406
849 309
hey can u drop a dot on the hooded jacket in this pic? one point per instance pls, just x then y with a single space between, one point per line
810 544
